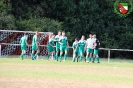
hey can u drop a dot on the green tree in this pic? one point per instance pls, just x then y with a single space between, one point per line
7 20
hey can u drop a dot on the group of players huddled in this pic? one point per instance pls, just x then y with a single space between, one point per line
57 45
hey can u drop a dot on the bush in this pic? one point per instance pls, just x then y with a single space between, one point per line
40 24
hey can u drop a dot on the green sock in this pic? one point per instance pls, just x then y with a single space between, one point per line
48 56
77 59
54 56
57 57
93 59
87 59
60 57
65 56
98 60
32 56
36 55
74 59
80 58
23 56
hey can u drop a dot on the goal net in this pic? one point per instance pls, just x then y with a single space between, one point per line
10 42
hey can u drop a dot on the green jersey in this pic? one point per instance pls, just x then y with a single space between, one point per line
63 40
34 40
23 41
81 44
50 45
75 45
57 37
51 42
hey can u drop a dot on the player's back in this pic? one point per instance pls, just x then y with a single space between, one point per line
51 41
23 40
75 45
34 40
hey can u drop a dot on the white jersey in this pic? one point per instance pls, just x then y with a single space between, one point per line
57 37
90 43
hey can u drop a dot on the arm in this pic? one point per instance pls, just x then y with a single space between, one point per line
37 44
20 41
67 44
51 44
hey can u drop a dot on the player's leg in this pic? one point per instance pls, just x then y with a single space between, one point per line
74 56
54 55
49 51
77 57
57 52
37 53
23 55
87 53
23 49
21 52
97 57
90 56
48 55
65 55
61 52
81 55
94 56
32 54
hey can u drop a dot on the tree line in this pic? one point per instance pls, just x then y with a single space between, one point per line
76 17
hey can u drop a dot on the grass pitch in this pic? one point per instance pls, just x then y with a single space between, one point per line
16 73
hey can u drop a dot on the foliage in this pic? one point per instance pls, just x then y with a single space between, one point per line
40 24
76 17
7 20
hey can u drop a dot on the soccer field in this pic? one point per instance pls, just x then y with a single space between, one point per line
16 73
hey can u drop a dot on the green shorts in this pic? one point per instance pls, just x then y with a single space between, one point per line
81 52
95 51
23 47
63 48
89 50
50 49
34 48
76 53
57 48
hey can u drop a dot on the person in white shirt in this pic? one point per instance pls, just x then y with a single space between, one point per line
89 44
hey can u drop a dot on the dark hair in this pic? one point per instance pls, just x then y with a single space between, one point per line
59 31
63 31
76 39
25 33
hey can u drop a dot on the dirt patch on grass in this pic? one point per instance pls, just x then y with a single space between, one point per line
56 83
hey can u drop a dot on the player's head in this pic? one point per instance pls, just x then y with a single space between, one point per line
94 36
90 35
59 32
76 39
52 36
25 34
63 33
37 33
83 37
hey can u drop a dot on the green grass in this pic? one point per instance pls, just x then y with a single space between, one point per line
116 71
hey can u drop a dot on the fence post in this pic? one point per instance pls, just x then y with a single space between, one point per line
108 55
